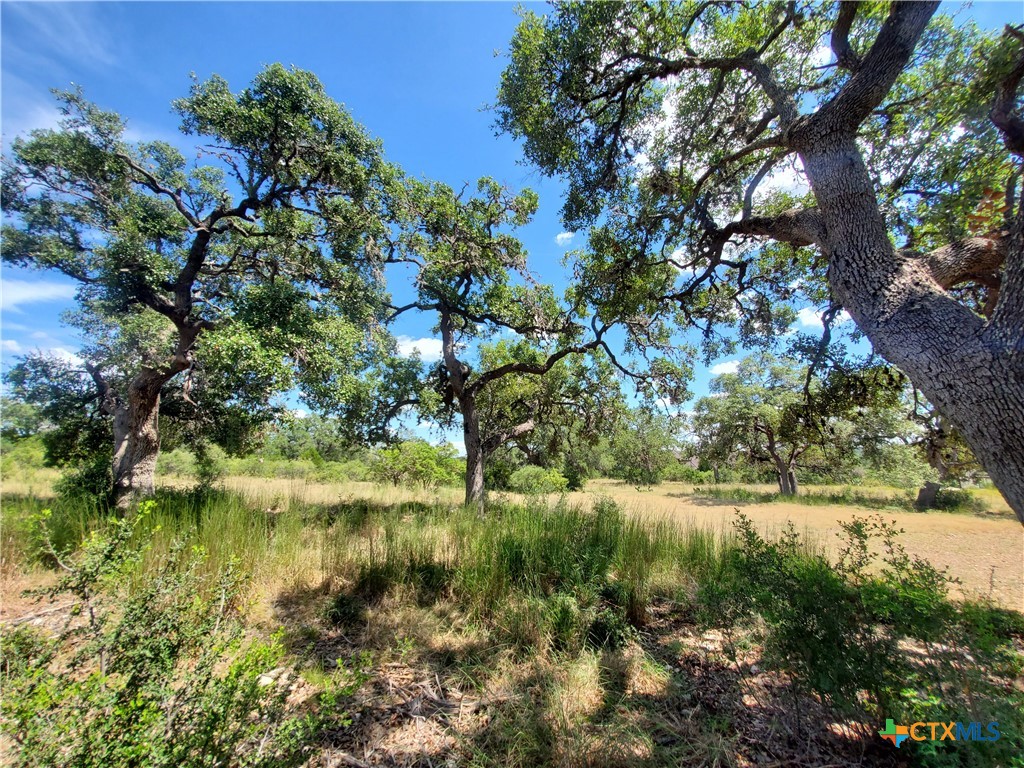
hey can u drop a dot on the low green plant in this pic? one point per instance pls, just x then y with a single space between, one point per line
533 480
416 463
959 500
159 675
845 497
874 635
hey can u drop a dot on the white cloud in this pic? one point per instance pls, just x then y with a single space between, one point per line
429 349
729 366
564 238
74 32
809 317
300 413
14 293
820 56
10 345
788 178
66 354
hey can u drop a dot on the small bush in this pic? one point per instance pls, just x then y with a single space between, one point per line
682 472
957 500
416 463
874 639
531 480
845 497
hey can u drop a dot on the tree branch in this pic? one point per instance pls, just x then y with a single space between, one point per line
846 56
872 81
494 442
1005 114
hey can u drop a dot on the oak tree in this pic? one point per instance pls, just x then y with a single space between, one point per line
735 158
249 271
472 278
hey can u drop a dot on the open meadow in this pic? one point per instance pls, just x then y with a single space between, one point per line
331 445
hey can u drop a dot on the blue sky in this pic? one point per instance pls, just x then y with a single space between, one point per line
417 75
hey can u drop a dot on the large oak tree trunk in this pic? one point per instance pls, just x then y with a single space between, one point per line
475 455
137 440
972 370
786 476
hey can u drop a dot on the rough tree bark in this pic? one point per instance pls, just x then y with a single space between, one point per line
136 416
137 439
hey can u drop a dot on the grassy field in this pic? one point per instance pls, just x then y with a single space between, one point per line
984 552
585 631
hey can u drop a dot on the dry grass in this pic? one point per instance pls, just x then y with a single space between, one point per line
445 691
985 553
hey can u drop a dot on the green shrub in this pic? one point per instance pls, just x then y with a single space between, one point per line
159 675
845 497
957 500
180 462
532 480
874 637
682 472
416 462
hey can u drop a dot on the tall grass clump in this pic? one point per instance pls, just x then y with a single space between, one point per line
159 675
540 576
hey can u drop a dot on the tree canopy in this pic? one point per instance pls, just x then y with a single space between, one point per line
252 270
738 160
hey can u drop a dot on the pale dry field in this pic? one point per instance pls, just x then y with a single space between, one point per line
986 553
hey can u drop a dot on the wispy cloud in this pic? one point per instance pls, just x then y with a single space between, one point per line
564 238
429 349
15 293
73 32
65 354
728 366
809 317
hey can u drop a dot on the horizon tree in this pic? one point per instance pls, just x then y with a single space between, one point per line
251 271
775 411
741 160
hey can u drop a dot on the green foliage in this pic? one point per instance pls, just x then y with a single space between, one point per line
247 277
639 108
769 412
533 480
850 632
25 454
416 463
644 447
844 497
158 675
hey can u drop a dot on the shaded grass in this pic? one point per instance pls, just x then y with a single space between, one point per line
538 607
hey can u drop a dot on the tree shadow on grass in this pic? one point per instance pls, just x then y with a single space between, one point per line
704 501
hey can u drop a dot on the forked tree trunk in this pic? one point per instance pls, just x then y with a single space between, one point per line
137 440
787 478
